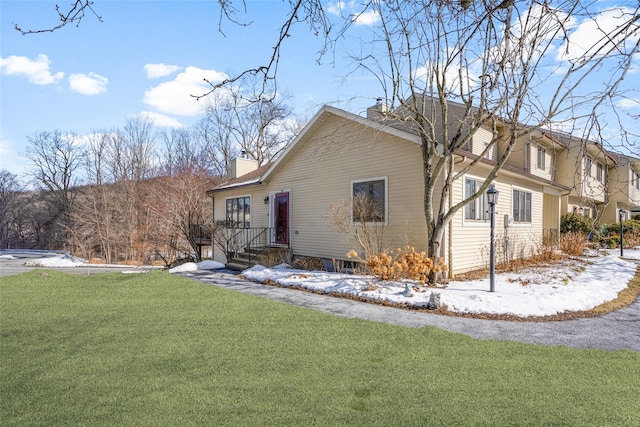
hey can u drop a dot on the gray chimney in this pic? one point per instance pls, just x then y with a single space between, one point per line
379 111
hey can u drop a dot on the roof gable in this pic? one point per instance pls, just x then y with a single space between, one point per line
319 118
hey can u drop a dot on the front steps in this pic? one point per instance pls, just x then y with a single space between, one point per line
268 257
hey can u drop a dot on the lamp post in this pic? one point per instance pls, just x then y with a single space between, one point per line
621 215
492 198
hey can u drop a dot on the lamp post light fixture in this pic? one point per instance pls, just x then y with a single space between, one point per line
492 199
621 216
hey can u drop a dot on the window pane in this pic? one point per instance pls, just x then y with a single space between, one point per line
369 201
247 212
229 214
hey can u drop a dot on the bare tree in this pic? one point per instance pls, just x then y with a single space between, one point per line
10 208
184 207
245 118
357 217
74 15
55 159
449 69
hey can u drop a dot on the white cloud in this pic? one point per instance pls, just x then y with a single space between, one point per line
336 8
366 18
88 84
601 31
160 119
358 14
428 73
37 71
628 103
155 71
175 97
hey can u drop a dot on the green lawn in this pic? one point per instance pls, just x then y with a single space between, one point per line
157 349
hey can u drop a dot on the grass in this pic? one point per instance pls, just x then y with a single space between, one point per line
156 349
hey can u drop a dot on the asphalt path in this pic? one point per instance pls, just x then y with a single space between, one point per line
619 330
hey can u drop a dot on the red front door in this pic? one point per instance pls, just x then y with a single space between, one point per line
281 218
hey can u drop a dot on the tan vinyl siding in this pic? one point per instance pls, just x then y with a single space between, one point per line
479 141
471 239
518 156
545 173
319 169
320 174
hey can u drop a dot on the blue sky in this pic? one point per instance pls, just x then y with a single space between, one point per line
148 57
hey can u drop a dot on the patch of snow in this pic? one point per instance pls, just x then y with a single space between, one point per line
574 285
210 265
630 253
55 261
9 257
187 266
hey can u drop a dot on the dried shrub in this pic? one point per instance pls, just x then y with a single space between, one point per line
404 264
573 243
309 264
353 217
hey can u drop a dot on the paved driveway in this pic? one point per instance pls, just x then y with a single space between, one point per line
614 331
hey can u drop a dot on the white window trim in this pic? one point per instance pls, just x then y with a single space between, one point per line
240 196
472 222
489 154
521 223
544 158
600 171
588 161
386 198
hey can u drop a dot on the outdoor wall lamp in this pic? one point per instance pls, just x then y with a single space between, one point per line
492 199
266 200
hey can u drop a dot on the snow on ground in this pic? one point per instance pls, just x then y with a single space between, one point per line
9 257
573 285
192 266
56 261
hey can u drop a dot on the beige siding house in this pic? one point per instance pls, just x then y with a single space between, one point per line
339 154
624 189
584 167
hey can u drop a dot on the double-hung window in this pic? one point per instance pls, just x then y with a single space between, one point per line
369 200
238 212
477 209
587 166
599 172
521 206
541 158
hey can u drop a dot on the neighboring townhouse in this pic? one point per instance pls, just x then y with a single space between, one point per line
585 167
624 189
339 154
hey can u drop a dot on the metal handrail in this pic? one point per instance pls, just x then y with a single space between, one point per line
249 240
